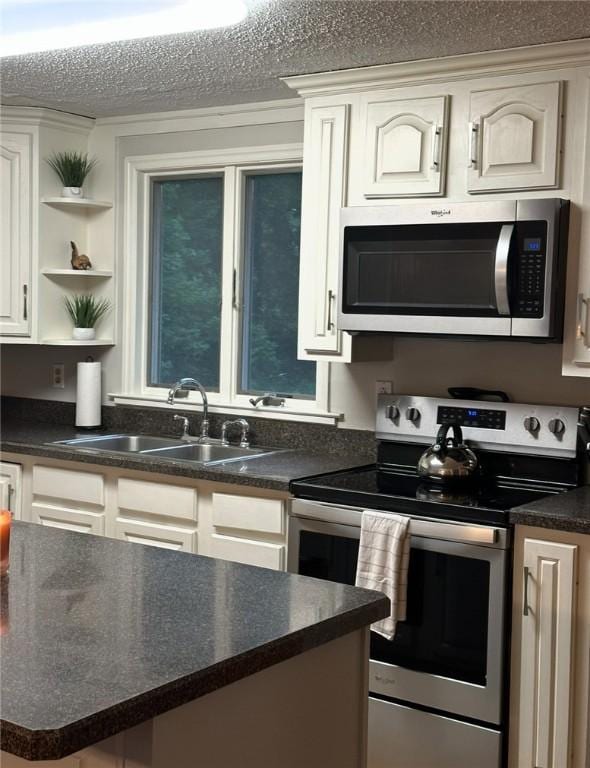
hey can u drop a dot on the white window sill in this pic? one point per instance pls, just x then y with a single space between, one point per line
283 413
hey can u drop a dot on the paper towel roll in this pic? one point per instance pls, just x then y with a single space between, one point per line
88 395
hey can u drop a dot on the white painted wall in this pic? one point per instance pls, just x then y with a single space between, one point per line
528 372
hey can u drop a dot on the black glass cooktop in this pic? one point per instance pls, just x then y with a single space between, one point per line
483 501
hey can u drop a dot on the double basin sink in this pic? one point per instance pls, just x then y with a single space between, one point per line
166 448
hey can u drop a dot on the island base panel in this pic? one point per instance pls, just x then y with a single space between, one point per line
310 710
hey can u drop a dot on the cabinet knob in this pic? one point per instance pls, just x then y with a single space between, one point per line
556 426
412 414
532 424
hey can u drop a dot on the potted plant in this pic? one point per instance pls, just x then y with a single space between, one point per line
72 169
85 311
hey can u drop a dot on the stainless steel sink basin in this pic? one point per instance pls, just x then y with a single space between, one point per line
204 453
123 443
166 448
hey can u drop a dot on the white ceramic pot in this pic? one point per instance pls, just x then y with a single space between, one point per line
84 334
72 192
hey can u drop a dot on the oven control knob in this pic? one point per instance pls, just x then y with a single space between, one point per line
556 426
531 424
392 412
412 414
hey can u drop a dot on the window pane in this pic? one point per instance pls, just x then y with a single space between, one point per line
271 288
186 281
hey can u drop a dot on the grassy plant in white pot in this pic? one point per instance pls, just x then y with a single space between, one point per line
85 310
72 169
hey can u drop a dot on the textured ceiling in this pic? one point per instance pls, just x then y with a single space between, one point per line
280 37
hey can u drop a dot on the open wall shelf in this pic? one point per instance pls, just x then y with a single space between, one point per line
77 273
77 343
76 202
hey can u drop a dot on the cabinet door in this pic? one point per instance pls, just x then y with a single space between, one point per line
324 168
546 654
404 144
157 535
249 513
11 488
580 343
239 550
68 519
514 138
15 232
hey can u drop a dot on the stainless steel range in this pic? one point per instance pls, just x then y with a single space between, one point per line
438 690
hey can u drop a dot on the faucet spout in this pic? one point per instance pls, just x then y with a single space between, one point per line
196 385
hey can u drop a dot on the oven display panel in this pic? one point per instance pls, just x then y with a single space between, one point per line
482 418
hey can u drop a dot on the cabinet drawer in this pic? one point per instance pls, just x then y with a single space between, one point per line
157 535
248 513
157 499
248 551
68 519
71 485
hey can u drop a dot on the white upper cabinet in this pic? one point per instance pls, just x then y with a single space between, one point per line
405 146
514 138
324 167
16 150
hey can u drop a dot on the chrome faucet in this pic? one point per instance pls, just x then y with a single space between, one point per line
193 384
245 427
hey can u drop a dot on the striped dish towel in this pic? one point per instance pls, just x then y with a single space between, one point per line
384 555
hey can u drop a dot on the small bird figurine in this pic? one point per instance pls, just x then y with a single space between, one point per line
79 260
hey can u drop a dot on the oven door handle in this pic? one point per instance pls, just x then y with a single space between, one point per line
462 533
501 269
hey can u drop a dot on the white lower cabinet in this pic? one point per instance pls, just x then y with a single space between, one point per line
550 681
68 498
215 519
157 534
70 519
11 488
242 550
249 513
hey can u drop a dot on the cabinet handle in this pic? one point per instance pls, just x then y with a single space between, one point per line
25 310
436 147
473 144
525 600
234 289
331 297
582 329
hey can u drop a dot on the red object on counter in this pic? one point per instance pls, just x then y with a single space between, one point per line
5 520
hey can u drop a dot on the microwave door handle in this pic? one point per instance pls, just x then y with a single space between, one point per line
501 269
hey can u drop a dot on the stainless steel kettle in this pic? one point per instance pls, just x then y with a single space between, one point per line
449 459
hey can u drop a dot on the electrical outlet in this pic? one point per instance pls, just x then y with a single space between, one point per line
384 387
58 378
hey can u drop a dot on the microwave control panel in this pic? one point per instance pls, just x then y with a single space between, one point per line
529 279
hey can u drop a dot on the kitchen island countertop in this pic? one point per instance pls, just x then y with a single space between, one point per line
100 635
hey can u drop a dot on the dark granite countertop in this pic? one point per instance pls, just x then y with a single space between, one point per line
274 471
568 511
99 635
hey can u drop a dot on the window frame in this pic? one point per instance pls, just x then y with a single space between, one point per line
235 165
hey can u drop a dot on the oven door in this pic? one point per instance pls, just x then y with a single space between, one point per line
448 654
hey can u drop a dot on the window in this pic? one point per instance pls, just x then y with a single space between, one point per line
186 280
223 283
271 287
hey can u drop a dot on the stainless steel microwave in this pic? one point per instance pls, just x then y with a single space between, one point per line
493 268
